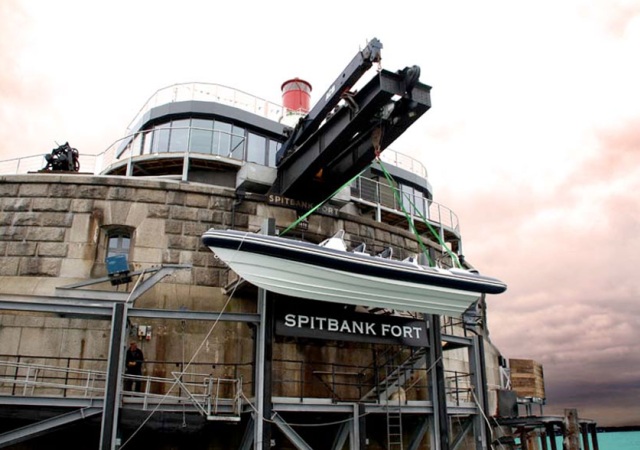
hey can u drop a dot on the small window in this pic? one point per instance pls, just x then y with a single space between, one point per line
118 242
221 138
237 143
274 146
256 148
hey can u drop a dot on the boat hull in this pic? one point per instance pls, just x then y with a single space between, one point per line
305 270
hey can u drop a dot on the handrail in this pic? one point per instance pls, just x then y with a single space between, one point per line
34 379
209 92
378 193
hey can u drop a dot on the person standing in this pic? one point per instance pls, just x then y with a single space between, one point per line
133 362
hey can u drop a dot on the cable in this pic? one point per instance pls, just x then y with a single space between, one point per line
184 370
475 399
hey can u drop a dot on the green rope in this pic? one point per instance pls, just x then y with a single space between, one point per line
425 251
453 256
315 208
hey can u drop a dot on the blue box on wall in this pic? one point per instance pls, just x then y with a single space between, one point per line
118 269
117 264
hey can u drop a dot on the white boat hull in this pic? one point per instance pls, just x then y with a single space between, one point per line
298 279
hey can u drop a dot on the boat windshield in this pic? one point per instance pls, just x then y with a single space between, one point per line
336 242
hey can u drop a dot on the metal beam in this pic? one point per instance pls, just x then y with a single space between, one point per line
109 426
347 143
248 437
155 278
75 290
479 377
437 382
290 433
463 432
58 402
194 315
419 433
104 309
359 65
39 428
341 437
359 434
264 356
57 306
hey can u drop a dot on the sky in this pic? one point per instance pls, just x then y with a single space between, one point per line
533 138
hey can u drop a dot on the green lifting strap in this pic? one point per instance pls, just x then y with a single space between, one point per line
391 182
312 210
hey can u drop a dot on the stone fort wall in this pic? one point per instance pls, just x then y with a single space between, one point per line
53 232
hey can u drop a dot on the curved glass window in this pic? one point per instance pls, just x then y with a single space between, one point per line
221 138
160 138
237 143
204 136
256 148
147 139
201 138
179 140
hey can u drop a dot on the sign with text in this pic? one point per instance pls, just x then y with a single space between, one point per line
278 200
336 324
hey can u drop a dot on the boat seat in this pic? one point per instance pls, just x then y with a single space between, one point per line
360 248
386 253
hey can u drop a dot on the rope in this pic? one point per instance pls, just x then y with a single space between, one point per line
391 182
175 383
315 208
395 190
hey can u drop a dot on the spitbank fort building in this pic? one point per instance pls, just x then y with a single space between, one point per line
94 259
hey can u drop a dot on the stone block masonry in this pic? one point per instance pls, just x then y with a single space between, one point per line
55 226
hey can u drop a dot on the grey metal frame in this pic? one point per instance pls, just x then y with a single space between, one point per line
75 299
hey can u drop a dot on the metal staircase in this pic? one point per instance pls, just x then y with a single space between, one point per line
390 392
397 376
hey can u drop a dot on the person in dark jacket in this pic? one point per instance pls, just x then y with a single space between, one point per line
133 363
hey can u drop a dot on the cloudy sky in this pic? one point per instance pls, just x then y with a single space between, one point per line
533 138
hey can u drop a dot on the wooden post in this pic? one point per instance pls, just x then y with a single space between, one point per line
551 432
584 430
543 440
571 430
524 438
594 437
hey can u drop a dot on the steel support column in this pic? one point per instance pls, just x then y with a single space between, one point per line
360 428
263 366
477 369
109 426
440 435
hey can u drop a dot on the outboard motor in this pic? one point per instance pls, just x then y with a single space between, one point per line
63 159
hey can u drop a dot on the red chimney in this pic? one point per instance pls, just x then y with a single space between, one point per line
296 95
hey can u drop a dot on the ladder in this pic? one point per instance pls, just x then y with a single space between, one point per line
394 424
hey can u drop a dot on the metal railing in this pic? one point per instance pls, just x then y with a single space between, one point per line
363 189
30 379
378 193
210 92
213 396
404 162
339 382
